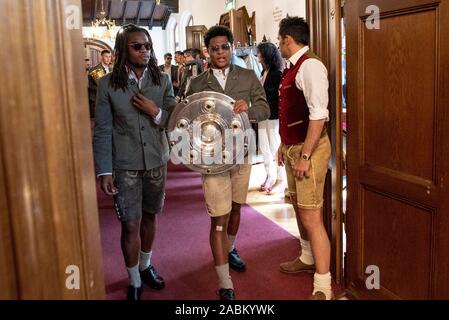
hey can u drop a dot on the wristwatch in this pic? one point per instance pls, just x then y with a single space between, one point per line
305 156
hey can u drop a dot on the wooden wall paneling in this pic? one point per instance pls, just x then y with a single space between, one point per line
8 284
195 36
398 148
47 152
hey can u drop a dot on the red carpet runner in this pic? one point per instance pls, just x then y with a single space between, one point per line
182 256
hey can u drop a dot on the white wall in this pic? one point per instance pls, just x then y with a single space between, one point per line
205 12
208 12
159 43
270 13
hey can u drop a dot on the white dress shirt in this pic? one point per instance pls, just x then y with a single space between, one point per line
222 76
106 67
167 71
312 80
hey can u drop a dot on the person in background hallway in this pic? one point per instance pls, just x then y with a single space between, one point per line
171 71
269 139
94 75
180 60
134 103
236 60
225 193
192 68
305 149
206 60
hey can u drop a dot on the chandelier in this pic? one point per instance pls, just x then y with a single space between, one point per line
100 23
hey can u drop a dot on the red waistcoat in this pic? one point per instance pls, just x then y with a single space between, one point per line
293 109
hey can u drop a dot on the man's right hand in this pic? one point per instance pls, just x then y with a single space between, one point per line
107 185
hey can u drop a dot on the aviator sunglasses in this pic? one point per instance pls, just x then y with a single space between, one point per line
216 48
138 46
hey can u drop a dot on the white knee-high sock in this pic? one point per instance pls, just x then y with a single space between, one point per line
145 260
224 278
322 282
134 276
306 252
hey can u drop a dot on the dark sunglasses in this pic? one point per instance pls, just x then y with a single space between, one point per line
225 47
138 46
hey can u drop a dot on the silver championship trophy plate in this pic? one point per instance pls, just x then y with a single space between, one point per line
207 136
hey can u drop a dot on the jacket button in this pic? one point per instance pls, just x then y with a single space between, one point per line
143 128
144 144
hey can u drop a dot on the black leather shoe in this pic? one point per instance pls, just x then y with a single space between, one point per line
134 293
226 294
235 262
151 279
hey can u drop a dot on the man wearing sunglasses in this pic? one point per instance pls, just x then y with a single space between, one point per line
192 68
225 193
171 70
134 103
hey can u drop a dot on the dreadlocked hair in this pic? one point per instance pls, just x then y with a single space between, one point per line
119 76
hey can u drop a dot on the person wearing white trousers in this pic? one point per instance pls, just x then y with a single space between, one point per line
269 138
269 142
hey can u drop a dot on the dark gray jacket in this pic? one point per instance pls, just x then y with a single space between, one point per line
124 137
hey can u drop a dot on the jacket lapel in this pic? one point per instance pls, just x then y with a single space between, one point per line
231 81
212 82
147 86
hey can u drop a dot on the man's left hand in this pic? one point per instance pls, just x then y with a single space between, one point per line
301 169
146 105
240 106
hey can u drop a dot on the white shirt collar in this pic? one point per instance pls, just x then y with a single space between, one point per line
220 73
132 75
294 58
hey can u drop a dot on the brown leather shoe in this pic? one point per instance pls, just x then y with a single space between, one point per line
296 266
320 296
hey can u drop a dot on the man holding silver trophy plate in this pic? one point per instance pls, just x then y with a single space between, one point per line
210 132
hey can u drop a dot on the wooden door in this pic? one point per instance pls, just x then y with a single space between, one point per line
398 149
195 36
49 231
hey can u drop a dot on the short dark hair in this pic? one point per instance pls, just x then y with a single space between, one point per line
297 28
218 31
179 53
196 52
105 51
189 52
168 54
270 55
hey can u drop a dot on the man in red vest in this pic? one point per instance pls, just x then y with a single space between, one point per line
305 149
